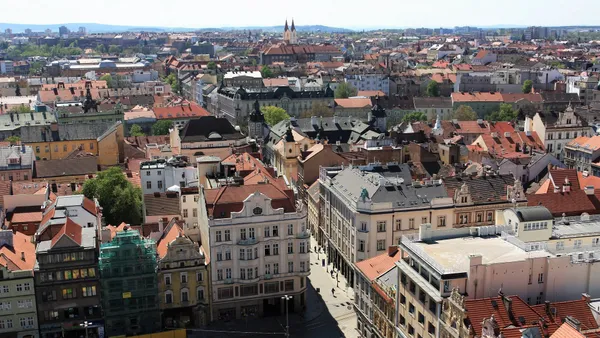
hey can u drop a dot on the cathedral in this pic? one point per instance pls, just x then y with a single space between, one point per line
289 34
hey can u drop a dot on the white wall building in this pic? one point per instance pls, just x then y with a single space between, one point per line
160 175
259 249
370 82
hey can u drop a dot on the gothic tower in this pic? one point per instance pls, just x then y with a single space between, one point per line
293 36
287 33
256 123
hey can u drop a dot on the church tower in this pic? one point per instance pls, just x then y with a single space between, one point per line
256 123
293 36
378 117
287 33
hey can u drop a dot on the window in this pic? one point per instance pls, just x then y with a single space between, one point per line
88 291
361 245
218 236
421 318
380 244
183 277
577 243
242 254
227 235
20 286
411 308
596 242
220 274
290 229
411 330
219 256
267 232
302 247
424 220
184 295
490 216
228 273
185 213
275 249
381 226
149 185
251 233
290 266
363 226
160 184
275 231
242 274
224 293
290 247
275 268
441 221
242 234
398 224
267 250
68 293
183 198
167 279
431 329
200 294
199 276
27 286
168 297
250 273
540 278
411 223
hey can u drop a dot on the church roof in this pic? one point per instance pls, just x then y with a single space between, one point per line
286 28
293 26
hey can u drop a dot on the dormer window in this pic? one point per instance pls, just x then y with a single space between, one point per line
568 121
13 161
257 211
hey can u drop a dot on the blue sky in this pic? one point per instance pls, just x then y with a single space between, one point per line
337 13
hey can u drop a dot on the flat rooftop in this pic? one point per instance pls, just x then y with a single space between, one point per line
453 254
576 228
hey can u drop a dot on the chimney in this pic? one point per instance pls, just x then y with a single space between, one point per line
586 297
161 225
573 322
566 186
589 190
507 304
23 256
547 307
313 121
392 250
556 189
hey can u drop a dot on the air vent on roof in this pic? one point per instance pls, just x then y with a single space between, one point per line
494 304
522 320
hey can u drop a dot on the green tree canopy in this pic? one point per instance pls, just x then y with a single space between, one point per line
211 65
136 130
414 117
100 49
36 68
527 85
114 49
274 115
120 200
13 139
433 89
464 113
161 127
109 80
266 72
506 113
344 90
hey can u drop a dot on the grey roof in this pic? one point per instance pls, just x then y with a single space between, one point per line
577 227
390 279
88 241
79 131
21 120
386 184
24 153
532 214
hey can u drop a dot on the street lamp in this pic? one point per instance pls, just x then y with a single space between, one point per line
85 325
287 319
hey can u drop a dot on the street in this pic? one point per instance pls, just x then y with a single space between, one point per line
326 315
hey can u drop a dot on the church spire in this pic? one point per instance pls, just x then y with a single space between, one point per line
293 26
286 28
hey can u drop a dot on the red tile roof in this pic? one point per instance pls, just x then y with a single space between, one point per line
567 331
163 244
378 265
221 202
441 78
477 97
353 103
70 229
300 49
370 93
90 206
572 203
501 146
481 54
12 258
183 111
578 309
512 98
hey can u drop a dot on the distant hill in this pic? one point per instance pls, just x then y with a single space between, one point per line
101 28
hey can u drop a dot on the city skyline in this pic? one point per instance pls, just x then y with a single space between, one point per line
334 14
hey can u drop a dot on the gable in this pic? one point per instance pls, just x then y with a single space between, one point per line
65 242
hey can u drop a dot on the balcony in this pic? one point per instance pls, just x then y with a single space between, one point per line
363 230
229 281
248 241
267 276
303 235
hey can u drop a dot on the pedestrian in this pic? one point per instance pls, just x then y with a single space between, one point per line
316 248
333 292
323 262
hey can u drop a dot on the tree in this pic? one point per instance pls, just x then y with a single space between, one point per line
433 89
101 49
318 109
464 113
161 127
120 200
109 80
136 130
173 81
506 113
274 115
114 49
36 68
12 139
414 117
22 109
344 90
266 72
527 85
211 65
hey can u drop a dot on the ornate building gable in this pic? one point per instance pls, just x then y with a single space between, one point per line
257 204
183 248
515 192
455 317
462 196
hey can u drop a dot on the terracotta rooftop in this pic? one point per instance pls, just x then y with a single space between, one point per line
477 97
579 309
567 331
163 244
221 202
353 103
374 267
71 230
12 256
180 111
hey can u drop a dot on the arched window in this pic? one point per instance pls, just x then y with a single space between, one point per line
168 297
185 295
